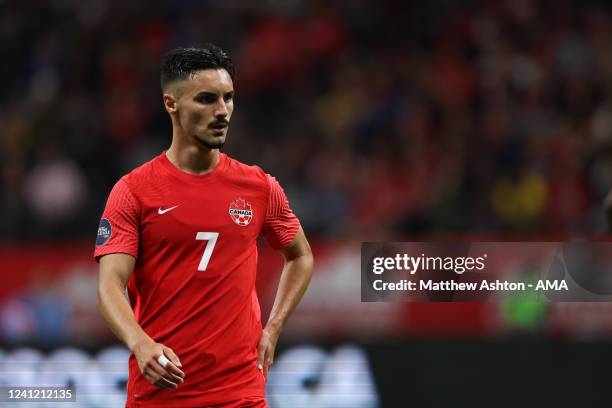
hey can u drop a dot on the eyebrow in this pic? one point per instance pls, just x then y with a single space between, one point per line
205 93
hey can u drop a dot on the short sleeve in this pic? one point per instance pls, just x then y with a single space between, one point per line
280 225
118 230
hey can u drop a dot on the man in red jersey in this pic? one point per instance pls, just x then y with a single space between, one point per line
180 233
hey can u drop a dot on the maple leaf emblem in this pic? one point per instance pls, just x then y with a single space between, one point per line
241 212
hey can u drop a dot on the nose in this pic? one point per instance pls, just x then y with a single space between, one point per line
221 109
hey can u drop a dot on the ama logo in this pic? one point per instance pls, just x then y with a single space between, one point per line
104 232
241 212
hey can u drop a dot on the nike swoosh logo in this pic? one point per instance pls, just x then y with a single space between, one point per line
161 211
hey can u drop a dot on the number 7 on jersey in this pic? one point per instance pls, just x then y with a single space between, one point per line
211 237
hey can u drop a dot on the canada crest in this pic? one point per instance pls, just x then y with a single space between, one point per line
241 212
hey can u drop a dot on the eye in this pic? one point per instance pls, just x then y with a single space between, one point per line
206 98
228 97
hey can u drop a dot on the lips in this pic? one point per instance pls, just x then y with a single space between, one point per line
218 129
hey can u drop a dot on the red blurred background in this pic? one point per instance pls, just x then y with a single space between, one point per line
382 120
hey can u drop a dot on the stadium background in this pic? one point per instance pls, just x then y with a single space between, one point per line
383 120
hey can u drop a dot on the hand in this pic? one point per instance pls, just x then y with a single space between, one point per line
147 353
267 345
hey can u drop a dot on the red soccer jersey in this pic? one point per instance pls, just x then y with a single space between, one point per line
193 287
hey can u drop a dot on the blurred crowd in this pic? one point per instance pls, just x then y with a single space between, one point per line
380 118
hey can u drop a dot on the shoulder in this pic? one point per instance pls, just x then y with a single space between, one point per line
247 175
143 171
141 176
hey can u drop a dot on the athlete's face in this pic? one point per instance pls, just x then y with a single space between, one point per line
203 105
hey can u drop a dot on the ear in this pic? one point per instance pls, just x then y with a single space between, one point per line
169 103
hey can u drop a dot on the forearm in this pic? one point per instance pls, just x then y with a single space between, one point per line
116 311
293 283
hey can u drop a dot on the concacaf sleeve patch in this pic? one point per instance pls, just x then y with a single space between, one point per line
104 232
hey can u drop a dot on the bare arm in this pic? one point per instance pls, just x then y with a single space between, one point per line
115 271
293 283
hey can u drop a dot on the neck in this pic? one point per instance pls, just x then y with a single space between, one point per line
190 156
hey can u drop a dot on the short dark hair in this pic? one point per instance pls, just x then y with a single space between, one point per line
180 63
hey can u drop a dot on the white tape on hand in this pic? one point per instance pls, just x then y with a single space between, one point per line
163 361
